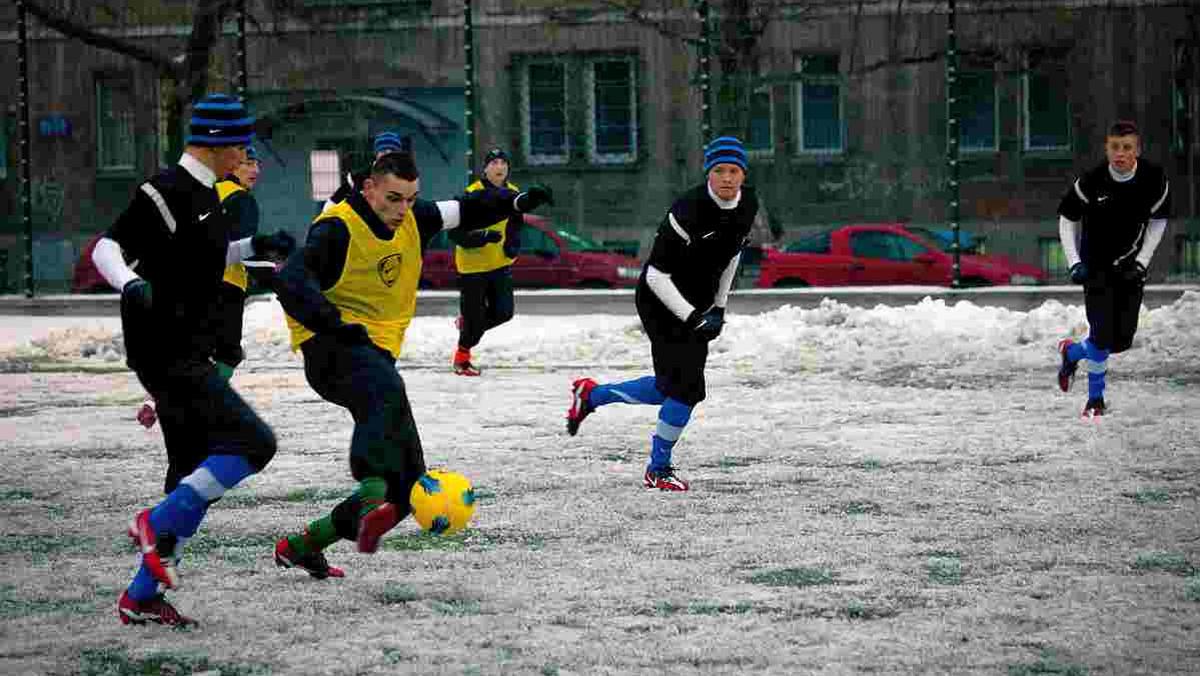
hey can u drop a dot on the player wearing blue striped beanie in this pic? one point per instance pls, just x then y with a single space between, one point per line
179 232
681 299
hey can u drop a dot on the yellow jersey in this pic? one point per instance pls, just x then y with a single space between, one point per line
378 285
235 273
490 256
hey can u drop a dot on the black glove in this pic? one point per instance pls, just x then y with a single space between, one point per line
351 334
1133 272
137 294
473 239
707 325
1079 273
277 246
535 196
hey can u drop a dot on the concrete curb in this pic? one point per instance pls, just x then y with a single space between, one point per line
620 302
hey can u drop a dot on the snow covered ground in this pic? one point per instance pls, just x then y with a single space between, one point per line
876 489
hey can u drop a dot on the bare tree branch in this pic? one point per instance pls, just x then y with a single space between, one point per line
113 44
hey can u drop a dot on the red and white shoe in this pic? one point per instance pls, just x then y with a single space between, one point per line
374 525
1094 409
156 610
665 480
581 391
463 365
160 564
314 563
146 415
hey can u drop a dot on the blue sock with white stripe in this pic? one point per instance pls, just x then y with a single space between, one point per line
1097 368
181 512
672 418
637 391
1076 351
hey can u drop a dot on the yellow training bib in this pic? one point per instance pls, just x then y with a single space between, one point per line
378 286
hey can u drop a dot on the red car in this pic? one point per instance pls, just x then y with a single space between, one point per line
548 257
879 254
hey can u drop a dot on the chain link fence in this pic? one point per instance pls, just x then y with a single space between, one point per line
846 108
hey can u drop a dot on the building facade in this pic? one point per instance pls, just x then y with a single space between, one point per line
843 104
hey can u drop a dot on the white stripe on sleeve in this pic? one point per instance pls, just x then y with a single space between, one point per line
727 281
451 213
1068 234
159 202
662 286
110 263
1154 235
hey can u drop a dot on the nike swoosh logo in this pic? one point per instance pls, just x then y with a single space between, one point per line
205 215
214 131
708 234
1101 198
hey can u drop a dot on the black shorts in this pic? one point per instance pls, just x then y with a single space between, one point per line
1113 306
364 380
679 357
201 416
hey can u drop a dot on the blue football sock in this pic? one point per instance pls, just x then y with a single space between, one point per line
1076 351
642 390
144 586
1097 368
672 418
181 512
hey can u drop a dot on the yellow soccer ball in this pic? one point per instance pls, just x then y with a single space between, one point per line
442 501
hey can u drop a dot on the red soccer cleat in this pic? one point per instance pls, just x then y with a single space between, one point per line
314 563
374 525
156 610
581 391
665 480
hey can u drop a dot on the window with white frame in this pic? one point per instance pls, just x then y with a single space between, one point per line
1047 116
819 114
612 111
760 135
977 111
606 86
544 112
116 143
326 172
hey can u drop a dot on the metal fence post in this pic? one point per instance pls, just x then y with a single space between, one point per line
952 134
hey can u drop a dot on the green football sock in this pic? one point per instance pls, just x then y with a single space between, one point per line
316 537
224 370
373 491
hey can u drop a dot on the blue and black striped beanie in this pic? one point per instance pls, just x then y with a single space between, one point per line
388 142
724 150
220 120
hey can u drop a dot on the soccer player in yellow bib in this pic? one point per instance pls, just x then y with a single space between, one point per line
349 295
236 197
484 261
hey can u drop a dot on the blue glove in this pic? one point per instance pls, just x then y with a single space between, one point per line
137 294
276 247
1133 272
707 325
1079 273
534 197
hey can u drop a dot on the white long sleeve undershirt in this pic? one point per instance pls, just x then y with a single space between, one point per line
662 286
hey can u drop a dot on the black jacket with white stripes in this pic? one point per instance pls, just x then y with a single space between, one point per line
177 231
1115 213
695 243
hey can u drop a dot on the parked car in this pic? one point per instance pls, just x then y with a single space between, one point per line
549 256
878 254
